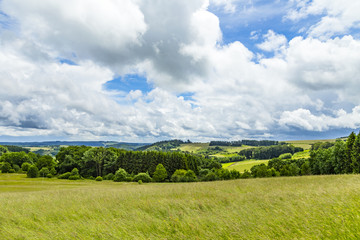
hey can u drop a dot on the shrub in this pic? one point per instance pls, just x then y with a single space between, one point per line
25 166
33 172
5 167
294 169
285 171
305 169
128 179
12 171
246 174
74 177
178 176
53 171
285 156
44 172
120 175
203 172
98 178
190 176
49 175
234 174
74 174
16 168
160 173
223 174
143 177
211 176
109 176
75 171
181 175
64 175
140 182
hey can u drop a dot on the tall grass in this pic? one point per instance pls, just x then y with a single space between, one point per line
244 165
314 207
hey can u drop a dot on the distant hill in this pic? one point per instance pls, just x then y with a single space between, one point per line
123 145
162 145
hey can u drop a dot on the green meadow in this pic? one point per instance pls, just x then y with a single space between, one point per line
306 144
308 207
243 165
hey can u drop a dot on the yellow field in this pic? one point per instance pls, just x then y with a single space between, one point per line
241 166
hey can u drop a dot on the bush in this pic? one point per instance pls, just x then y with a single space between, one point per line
285 156
33 172
74 172
203 172
211 176
190 176
294 169
182 175
160 173
140 182
49 175
25 166
260 171
109 176
98 178
120 175
179 175
234 174
223 174
128 179
44 172
74 177
12 171
5 167
64 175
16 168
143 177
53 171
246 174
305 169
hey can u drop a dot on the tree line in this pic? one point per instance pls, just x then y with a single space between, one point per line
340 158
239 143
269 152
78 162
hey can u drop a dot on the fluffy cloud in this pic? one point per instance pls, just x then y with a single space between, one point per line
338 17
326 65
273 42
178 47
304 119
87 28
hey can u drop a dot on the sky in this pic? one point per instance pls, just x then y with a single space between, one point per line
150 70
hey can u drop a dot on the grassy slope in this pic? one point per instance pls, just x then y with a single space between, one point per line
314 207
241 166
306 144
200 147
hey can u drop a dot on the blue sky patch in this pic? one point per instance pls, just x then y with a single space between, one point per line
67 61
129 82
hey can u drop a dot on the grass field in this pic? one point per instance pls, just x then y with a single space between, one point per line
199 148
304 154
314 207
306 144
193 147
241 166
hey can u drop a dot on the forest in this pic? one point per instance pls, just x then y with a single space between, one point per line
269 151
78 162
